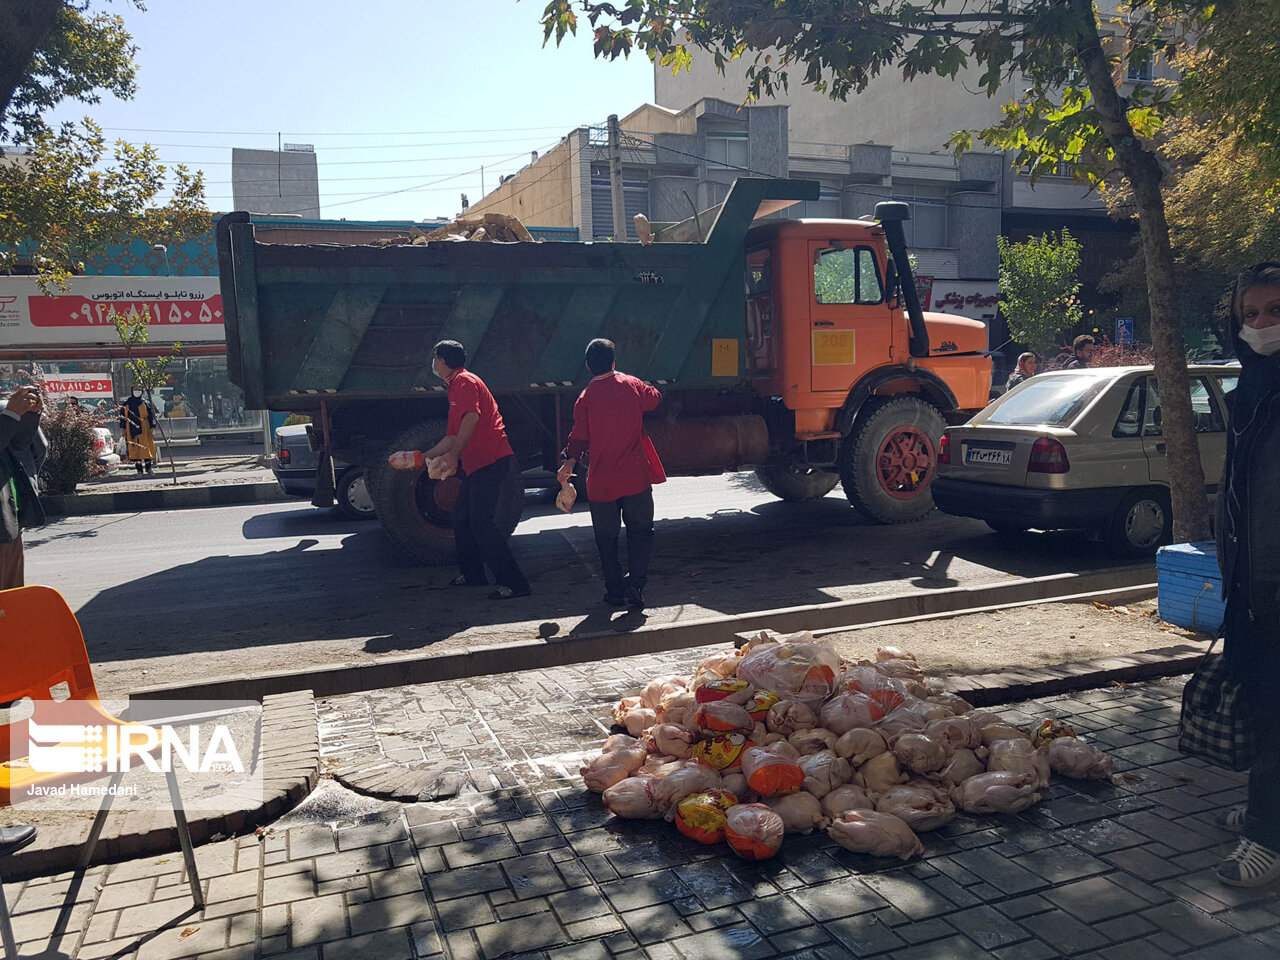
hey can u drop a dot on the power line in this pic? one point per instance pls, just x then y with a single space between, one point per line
370 146
345 133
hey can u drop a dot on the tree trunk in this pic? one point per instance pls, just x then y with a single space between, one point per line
1142 167
24 25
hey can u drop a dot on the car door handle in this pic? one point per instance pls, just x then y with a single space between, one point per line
1159 448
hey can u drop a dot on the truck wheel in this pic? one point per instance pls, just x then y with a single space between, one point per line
890 459
354 501
791 481
1142 522
414 510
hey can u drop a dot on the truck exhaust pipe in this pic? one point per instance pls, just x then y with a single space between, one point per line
891 214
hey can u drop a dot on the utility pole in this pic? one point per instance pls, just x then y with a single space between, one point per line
615 179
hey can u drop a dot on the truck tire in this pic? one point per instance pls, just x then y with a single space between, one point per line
415 511
790 481
890 458
1141 524
354 499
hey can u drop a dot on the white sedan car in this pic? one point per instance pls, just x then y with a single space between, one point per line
1082 450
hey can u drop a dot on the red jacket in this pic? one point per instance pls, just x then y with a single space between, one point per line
608 419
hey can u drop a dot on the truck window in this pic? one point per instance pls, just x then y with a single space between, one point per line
759 272
847 276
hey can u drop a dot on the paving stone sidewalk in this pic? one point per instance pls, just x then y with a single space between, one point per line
523 861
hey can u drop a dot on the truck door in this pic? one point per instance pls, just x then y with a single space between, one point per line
1210 426
850 323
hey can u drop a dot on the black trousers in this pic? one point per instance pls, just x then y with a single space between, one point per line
476 536
606 520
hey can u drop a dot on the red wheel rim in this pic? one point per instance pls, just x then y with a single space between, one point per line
904 466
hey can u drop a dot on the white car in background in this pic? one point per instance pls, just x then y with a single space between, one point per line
1080 450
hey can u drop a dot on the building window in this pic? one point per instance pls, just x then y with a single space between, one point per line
727 149
1141 72
635 198
927 227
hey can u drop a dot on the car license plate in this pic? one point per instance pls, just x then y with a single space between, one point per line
988 456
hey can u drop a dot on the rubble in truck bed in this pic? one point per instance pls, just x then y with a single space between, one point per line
493 227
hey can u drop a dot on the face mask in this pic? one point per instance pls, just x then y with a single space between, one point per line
137 393
1265 341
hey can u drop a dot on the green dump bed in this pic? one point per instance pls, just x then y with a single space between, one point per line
307 322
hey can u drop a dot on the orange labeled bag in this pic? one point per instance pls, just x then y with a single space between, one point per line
754 831
758 706
771 774
723 752
701 816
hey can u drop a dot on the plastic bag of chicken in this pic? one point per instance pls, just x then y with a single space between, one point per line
567 496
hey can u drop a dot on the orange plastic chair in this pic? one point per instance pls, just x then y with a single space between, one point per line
42 647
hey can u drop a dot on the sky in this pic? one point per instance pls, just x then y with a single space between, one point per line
408 98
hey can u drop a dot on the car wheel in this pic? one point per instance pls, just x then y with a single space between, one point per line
354 500
1141 524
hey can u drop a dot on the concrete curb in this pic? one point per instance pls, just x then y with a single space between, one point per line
169 498
532 655
995 689
290 771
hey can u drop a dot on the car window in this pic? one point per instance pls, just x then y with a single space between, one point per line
1129 423
1206 415
1228 385
1052 401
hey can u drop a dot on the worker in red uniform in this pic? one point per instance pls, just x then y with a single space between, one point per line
608 421
476 439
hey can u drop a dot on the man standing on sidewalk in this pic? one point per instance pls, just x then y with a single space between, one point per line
20 440
476 439
608 419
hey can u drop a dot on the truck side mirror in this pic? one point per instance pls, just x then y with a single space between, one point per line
891 282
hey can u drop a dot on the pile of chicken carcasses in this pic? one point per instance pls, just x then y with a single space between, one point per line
781 736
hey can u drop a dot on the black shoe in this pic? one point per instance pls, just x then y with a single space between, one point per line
615 599
635 598
13 839
148 466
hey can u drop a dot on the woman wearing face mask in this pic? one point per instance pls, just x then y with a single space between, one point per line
1248 528
137 421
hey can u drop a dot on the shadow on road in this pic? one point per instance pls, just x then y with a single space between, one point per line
343 579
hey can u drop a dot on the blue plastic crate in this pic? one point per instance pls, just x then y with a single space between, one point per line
1190 586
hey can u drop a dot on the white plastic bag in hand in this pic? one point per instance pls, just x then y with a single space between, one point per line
441 468
567 496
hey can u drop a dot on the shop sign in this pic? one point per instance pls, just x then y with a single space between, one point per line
183 309
86 388
975 299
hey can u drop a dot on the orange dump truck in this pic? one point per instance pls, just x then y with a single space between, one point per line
797 347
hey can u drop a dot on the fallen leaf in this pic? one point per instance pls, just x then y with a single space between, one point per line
187 932
1100 605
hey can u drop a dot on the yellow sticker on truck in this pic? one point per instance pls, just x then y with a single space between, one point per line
833 348
724 358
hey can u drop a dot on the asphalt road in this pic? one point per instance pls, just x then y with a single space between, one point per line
210 592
